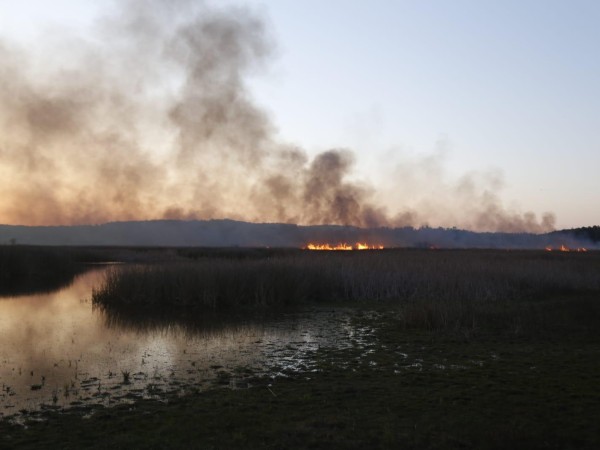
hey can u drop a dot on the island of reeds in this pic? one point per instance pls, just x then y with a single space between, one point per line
474 290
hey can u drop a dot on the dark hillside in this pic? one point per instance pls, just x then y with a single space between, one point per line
591 234
236 234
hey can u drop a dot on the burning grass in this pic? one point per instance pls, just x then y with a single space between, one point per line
463 290
343 246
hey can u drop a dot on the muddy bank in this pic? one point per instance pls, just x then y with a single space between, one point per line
393 389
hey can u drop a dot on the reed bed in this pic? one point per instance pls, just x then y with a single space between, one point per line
449 289
31 269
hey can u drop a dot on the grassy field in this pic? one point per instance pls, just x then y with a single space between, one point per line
465 349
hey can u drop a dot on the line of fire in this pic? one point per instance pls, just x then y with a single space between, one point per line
343 247
564 248
364 246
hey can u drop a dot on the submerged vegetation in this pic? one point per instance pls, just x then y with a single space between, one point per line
396 388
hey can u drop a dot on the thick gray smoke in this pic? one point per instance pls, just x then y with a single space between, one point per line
149 116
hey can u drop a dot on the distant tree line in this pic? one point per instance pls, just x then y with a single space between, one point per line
590 233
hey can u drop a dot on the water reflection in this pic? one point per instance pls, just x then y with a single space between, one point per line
57 351
193 323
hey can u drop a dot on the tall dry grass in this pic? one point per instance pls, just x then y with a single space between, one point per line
449 289
31 269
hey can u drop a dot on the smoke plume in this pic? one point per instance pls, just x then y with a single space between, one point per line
148 116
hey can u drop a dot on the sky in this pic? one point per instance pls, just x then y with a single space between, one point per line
433 99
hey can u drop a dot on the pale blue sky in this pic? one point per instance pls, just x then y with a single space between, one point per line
511 86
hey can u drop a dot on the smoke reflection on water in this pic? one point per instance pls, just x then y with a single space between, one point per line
57 351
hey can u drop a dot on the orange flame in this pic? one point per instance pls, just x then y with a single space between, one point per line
564 248
343 246
365 246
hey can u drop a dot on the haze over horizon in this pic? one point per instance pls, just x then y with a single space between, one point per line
476 117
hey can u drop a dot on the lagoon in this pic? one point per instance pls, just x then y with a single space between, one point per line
58 351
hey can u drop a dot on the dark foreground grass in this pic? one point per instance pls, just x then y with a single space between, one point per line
401 389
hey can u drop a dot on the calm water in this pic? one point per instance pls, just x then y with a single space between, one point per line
58 351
